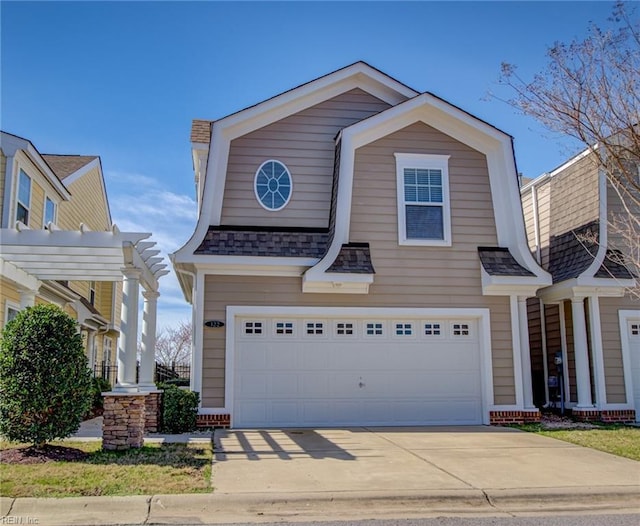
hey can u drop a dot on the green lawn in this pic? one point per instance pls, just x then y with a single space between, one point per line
623 441
152 469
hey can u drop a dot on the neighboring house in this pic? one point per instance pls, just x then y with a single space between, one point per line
59 192
589 322
360 258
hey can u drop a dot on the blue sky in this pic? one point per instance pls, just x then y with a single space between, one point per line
123 80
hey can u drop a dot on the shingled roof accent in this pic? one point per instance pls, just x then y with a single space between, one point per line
201 130
614 266
498 261
280 242
571 253
353 258
65 165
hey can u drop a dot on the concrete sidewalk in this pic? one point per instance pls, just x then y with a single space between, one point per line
349 474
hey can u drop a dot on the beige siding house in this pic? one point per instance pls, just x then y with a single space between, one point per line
360 258
585 328
59 192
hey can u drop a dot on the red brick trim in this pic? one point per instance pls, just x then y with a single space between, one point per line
586 415
499 418
618 416
204 421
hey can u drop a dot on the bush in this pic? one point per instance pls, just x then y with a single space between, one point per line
178 382
179 409
45 384
99 385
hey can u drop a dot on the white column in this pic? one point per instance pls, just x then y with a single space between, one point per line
27 298
128 342
597 353
517 354
580 348
525 353
148 357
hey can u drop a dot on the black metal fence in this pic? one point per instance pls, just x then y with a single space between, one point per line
163 372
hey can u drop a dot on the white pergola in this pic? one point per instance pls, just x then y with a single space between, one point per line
29 257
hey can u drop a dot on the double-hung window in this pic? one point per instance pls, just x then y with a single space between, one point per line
49 211
423 199
24 198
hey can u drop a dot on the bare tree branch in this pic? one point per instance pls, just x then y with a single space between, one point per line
590 91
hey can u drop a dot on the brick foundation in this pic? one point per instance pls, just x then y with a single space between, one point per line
123 420
205 421
586 415
153 406
618 416
499 418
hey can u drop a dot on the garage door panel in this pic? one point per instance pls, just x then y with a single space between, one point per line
253 385
251 357
333 379
285 411
315 385
313 359
282 385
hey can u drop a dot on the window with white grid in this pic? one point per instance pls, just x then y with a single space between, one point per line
374 328
284 328
254 328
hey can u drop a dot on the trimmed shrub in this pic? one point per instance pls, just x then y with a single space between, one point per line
45 384
178 382
179 409
99 385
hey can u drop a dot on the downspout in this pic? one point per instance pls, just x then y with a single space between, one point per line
8 192
536 223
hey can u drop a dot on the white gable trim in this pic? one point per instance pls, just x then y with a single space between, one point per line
454 122
82 171
96 163
358 75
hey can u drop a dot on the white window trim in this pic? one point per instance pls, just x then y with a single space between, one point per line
18 202
255 185
431 161
8 304
44 211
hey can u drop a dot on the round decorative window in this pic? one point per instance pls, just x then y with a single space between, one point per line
273 185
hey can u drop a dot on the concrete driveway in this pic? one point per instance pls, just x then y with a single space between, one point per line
401 460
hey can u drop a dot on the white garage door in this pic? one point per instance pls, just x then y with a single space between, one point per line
320 371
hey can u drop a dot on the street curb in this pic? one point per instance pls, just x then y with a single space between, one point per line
216 508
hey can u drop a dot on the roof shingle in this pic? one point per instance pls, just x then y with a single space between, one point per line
353 258
239 241
65 165
498 261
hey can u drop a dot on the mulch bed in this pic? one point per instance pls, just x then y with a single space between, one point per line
39 455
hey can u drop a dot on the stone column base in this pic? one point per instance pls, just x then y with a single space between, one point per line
123 420
153 405
499 418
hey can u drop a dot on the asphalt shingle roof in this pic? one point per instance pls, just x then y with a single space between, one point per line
354 258
571 253
241 241
498 261
65 165
614 266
